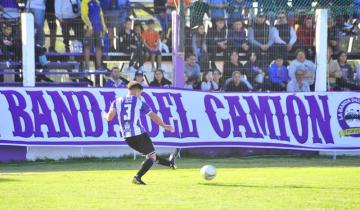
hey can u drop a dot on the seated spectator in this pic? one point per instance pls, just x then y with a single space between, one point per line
235 84
218 79
255 75
217 8
271 8
208 83
237 37
137 58
159 80
299 83
9 10
68 15
116 12
333 35
127 41
217 41
232 65
8 44
199 46
278 74
306 37
347 80
261 38
95 30
285 39
188 83
334 71
139 77
192 69
115 80
308 66
152 43
197 11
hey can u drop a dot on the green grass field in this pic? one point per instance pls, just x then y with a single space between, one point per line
246 183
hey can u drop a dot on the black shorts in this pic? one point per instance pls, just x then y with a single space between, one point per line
141 143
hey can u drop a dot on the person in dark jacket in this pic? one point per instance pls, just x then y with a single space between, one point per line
217 41
159 80
237 37
236 85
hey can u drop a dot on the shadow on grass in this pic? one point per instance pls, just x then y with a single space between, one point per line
7 180
217 184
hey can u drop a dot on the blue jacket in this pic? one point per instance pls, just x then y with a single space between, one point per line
278 76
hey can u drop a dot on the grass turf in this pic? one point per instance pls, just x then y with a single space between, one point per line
246 183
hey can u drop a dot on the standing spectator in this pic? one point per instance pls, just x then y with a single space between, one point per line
139 77
138 57
235 84
333 35
95 29
37 8
233 64
160 80
9 10
51 21
237 37
255 75
306 37
192 69
197 11
115 80
217 8
127 41
199 46
217 41
208 83
261 38
152 43
278 74
298 83
285 38
218 79
334 71
306 65
68 14
116 12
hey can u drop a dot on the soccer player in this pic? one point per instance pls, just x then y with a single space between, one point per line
128 110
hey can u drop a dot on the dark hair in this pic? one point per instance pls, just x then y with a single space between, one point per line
216 70
150 21
138 24
162 72
204 75
298 51
189 54
340 53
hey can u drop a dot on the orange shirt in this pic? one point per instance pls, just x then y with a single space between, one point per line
151 38
172 3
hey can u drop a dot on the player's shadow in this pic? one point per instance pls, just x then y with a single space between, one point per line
217 184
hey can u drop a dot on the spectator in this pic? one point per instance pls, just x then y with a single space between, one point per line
159 80
232 65
235 84
218 79
95 29
271 8
68 14
278 74
299 82
217 8
306 37
188 83
208 83
139 77
308 66
333 35
197 11
166 31
115 80
334 71
138 57
255 75
357 78
237 37
159 6
127 41
217 41
347 72
261 38
192 69
9 10
116 12
199 42
8 44
285 40
37 8
152 43
51 21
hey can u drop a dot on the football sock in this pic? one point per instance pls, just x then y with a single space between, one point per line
145 166
162 161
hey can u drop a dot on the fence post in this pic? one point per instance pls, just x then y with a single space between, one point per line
28 49
321 49
178 61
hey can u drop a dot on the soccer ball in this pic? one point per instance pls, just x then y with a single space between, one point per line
208 172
